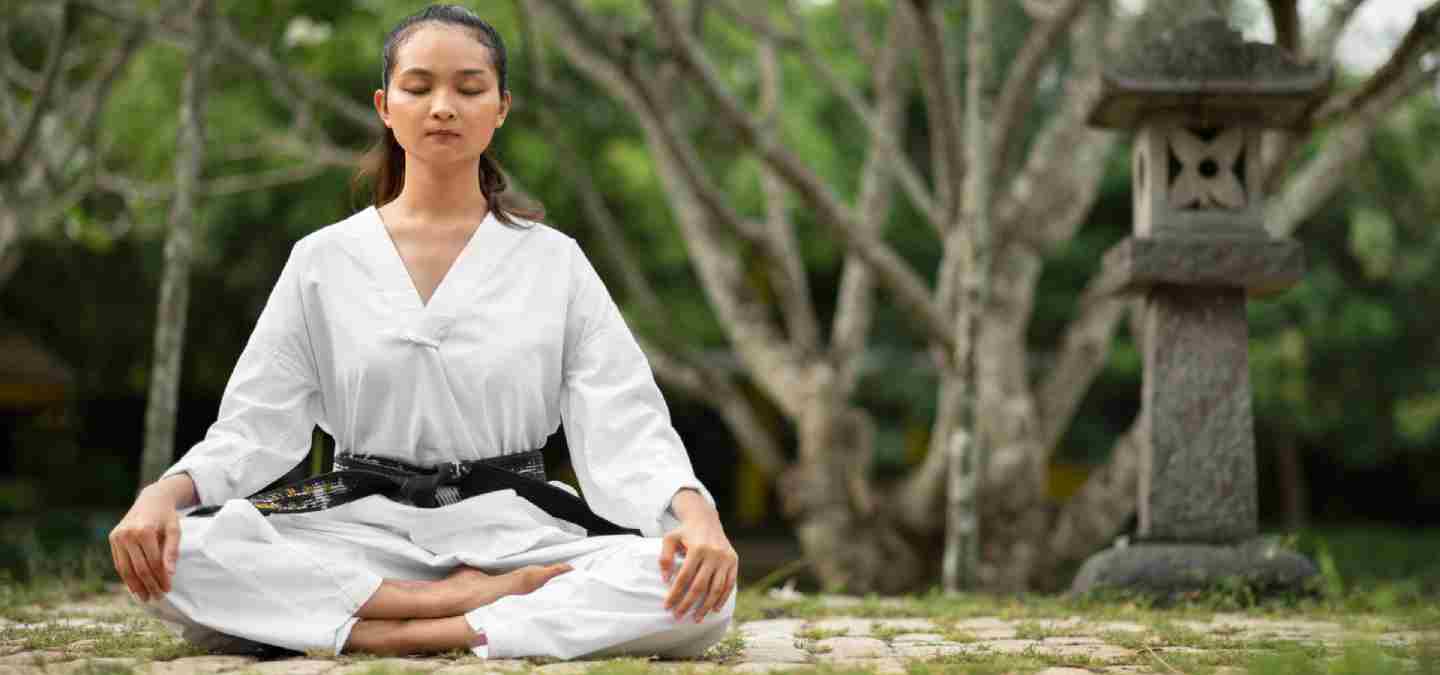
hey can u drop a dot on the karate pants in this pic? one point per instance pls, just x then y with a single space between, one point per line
296 580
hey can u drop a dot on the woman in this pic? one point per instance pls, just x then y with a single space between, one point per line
435 327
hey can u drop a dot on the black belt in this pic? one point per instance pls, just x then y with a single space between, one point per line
358 476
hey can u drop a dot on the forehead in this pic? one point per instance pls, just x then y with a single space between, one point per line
439 49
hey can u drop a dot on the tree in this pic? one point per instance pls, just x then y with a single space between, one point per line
858 532
159 450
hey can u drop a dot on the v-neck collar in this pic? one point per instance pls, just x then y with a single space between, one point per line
400 274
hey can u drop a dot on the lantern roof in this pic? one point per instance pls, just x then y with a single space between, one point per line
1196 65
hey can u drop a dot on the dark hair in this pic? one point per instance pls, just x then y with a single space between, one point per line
385 160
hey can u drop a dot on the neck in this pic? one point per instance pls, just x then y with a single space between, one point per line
442 193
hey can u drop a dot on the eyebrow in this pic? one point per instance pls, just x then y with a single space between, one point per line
423 71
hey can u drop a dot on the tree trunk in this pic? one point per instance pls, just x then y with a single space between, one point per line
967 448
169 345
849 534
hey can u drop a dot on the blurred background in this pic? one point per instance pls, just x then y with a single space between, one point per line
1345 366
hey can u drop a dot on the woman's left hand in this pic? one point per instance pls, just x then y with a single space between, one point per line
710 567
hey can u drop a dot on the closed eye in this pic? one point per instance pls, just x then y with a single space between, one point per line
417 92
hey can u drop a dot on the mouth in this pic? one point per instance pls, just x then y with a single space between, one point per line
444 134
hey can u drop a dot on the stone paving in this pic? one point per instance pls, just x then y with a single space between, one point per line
109 635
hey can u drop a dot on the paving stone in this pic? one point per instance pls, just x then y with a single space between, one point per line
770 667
1067 641
844 626
297 666
774 651
398 665
771 627
91 665
1101 652
843 648
917 638
1008 646
983 623
477 666
1118 627
887 666
200 664
936 649
681 666
986 628
909 625
566 668
81 646
1407 638
27 658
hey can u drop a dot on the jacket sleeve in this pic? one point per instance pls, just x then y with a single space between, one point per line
270 405
628 457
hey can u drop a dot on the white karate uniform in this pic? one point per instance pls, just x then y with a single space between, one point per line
520 334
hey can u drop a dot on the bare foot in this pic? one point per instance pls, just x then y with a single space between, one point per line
478 589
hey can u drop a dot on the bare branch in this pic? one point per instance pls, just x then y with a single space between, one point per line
744 316
9 107
895 158
922 493
714 386
1322 46
1083 353
41 102
908 287
854 304
942 107
851 13
1049 197
1018 92
99 93
298 85
793 287
1420 39
674 364
1285 15
1318 180
302 85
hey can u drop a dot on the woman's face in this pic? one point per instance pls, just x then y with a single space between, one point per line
443 79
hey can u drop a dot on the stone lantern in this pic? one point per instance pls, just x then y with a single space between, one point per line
1199 98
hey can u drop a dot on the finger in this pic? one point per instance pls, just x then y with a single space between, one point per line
122 568
552 571
172 550
134 581
668 546
150 546
727 589
681 580
714 594
143 568
697 590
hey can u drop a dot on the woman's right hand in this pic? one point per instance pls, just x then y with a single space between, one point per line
146 544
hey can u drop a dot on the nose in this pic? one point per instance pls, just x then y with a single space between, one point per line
441 109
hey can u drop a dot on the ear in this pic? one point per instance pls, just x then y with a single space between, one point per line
504 109
381 108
